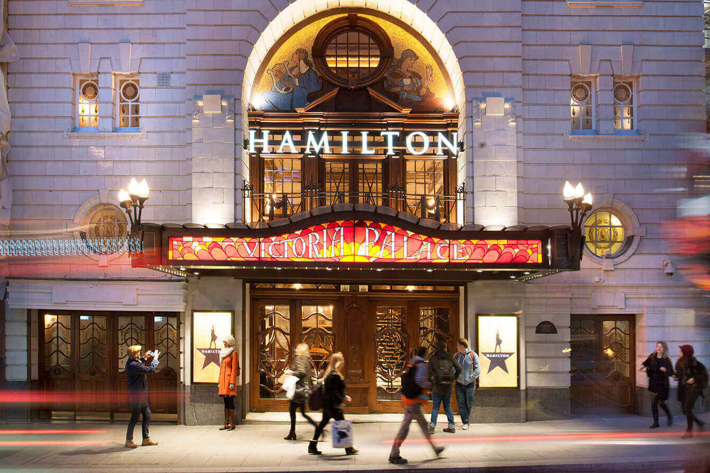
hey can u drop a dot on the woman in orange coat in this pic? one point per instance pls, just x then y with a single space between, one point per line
228 372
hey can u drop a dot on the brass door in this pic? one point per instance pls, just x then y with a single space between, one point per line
163 384
92 362
56 360
602 370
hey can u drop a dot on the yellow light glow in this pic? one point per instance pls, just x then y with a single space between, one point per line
297 286
133 187
410 288
49 320
588 199
568 191
123 196
579 191
143 189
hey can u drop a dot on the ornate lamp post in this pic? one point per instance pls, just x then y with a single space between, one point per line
578 205
134 199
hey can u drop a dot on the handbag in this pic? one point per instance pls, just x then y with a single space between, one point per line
315 400
342 433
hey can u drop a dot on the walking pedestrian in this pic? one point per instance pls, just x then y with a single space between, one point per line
443 371
138 397
334 400
414 394
303 370
228 371
659 368
692 378
466 382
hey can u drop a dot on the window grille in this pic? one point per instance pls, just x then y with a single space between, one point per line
582 105
88 104
624 116
128 104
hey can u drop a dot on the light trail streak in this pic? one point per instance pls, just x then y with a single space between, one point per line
558 437
51 432
50 443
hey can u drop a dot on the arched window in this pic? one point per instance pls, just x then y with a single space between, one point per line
352 52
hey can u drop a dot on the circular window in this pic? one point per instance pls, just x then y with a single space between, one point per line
352 52
129 91
89 91
622 93
605 234
104 228
580 93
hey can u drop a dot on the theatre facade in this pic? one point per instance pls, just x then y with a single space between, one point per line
363 177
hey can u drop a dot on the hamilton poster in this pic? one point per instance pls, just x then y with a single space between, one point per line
498 350
208 329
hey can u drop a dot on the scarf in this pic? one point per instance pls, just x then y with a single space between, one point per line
224 353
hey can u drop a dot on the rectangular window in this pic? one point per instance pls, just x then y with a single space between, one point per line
87 104
337 182
128 105
624 106
425 177
282 178
582 106
369 179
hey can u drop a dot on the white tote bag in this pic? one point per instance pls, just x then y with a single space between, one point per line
342 433
289 386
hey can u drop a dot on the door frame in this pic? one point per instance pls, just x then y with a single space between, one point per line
599 319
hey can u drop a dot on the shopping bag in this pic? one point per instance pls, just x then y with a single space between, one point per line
342 433
289 386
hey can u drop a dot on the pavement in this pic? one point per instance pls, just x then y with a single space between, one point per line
598 444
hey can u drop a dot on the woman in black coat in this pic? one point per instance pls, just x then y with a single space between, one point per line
659 369
692 377
334 400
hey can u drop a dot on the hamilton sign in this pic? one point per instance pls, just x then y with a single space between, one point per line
353 142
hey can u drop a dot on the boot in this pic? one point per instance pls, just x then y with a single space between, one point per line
130 444
351 451
313 448
291 436
232 419
148 443
226 420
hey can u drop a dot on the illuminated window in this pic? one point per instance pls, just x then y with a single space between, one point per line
352 55
282 178
128 104
425 177
605 234
582 105
352 51
624 106
106 221
88 105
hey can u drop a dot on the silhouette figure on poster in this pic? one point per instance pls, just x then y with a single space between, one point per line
498 348
213 338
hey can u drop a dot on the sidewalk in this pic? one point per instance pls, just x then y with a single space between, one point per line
588 444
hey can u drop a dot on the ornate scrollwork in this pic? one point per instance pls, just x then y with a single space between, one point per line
476 112
196 99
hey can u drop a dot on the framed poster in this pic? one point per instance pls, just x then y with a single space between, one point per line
208 329
497 342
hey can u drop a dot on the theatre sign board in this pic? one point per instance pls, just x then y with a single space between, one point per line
355 241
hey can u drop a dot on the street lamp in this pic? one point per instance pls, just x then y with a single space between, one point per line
135 198
578 204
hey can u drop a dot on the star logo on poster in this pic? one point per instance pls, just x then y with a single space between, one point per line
497 357
211 356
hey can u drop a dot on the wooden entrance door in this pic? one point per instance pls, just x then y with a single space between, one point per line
85 353
399 326
602 368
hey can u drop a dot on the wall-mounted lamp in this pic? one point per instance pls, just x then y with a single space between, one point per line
578 204
134 199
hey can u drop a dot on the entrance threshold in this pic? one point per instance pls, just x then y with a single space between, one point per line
283 418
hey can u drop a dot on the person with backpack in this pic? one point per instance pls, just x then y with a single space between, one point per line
443 371
333 400
692 378
466 382
303 370
414 394
659 369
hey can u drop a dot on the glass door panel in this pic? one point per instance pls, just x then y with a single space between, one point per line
92 376
58 365
274 355
434 324
337 182
391 350
317 333
369 180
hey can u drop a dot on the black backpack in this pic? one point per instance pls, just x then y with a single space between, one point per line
410 388
446 372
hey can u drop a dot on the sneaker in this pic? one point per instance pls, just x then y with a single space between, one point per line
148 443
130 444
449 430
465 427
438 451
398 460
432 429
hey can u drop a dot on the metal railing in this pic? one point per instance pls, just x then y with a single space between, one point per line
269 206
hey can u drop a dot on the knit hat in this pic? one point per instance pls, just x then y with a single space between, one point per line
687 350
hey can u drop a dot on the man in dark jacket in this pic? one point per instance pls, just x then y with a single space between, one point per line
443 371
138 397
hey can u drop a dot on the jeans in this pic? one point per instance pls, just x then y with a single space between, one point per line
413 412
464 398
436 400
137 411
292 408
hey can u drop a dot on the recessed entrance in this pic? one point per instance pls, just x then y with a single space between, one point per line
82 357
374 326
602 367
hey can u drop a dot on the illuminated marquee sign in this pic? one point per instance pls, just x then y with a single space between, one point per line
416 142
355 241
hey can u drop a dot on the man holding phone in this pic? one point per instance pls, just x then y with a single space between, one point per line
138 397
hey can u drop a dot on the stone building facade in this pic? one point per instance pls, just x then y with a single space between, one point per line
604 92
